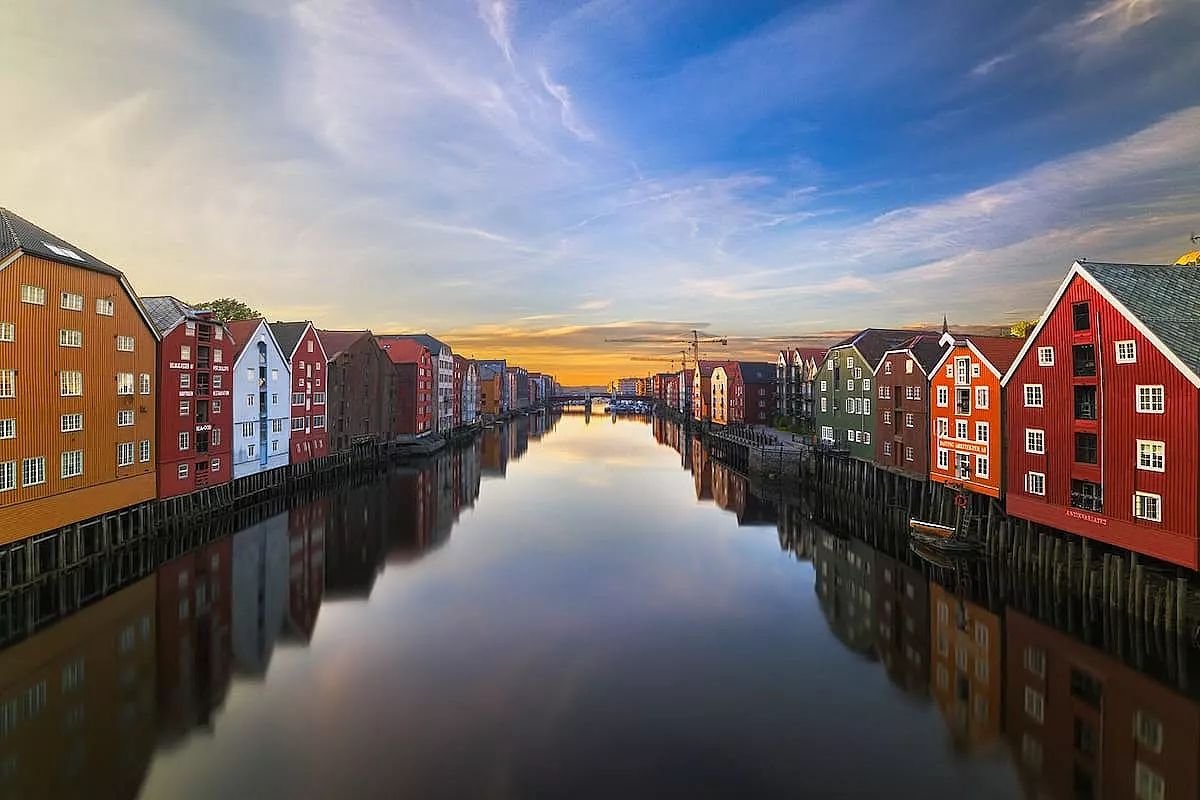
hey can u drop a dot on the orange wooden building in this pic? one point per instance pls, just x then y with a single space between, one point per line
77 385
965 660
966 415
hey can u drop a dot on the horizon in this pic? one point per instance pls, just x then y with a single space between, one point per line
526 180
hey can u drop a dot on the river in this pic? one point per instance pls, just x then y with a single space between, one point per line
581 608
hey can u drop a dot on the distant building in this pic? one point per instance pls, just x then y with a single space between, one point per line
362 390
499 371
309 369
702 389
416 374
262 417
627 386
794 373
443 379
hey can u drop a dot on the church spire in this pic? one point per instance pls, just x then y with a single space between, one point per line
945 325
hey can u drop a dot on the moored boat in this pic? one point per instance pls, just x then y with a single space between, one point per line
931 528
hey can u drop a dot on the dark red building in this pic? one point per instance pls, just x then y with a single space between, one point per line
1082 724
902 388
306 568
361 381
1102 407
902 624
460 375
195 416
414 385
751 392
306 358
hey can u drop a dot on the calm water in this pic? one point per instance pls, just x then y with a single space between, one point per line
578 609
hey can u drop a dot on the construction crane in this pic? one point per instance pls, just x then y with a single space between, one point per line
693 343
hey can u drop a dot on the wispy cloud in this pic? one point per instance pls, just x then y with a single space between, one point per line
563 95
495 14
1107 21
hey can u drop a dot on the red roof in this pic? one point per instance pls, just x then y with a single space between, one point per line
337 342
1000 350
242 331
405 351
707 367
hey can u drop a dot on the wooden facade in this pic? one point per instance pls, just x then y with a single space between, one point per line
262 415
702 389
416 376
78 369
361 402
1102 415
308 400
902 418
966 433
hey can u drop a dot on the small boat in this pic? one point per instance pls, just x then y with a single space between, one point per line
935 557
931 528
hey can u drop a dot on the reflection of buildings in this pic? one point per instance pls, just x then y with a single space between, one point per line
194 650
795 532
260 592
965 661
702 471
493 452
1082 724
732 493
355 541
306 568
77 702
428 500
902 623
845 587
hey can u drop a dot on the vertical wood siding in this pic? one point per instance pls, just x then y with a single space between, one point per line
890 421
992 415
309 378
38 359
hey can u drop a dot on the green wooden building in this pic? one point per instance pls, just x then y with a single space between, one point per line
845 393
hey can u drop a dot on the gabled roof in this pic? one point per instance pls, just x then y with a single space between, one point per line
334 343
167 312
924 348
288 334
402 350
1162 302
707 367
872 343
17 233
756 372
242 331
434 346
998 352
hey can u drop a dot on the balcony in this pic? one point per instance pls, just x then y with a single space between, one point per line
1083 361
1085 402
1087 496
962 401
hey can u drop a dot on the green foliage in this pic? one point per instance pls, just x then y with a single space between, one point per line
229 309
1022 329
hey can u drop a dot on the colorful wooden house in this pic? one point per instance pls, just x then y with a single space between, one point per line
702 389
310 367
966 435
1102 411
361 400
902 416
262 415
845 397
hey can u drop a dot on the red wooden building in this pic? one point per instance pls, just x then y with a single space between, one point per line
460 375
1102 406
415 385
751 392
902 384
310 365
195 413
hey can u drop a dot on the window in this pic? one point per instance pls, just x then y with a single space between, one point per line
887 368
144 451
1035 661
866 437
185 408
274 445
183 471
1045 356
824 386
70 338
916 393
1086 741
71 301
1148 731
1087 688
185 380
943 458
1085 402
218 356
1031 752
71 464
8 429
960 429
69 423
216 433
981 431
1148 784
250 376
1147 506
1151 455
1035 440
943 396
247 429
1035 705
185 352
824 405
277 426
950 369
1085 448
104 306
974 370
217 381
124 383
1150 400
274 399
909 454
866 385
1035 483
850 385
125 344
124 454
887 448
1080 317
981 397
866 406
298 423
1033 395
1087 495
981 466
8 476
8 332
1126 352
909 421
216 463
144 383
319 399
185 440
960 658
35 295
1083 360
887 417
70 384
962 401
962 371
250 400
849 362
318 421
33 471
250 451
124 418
297 398
943 426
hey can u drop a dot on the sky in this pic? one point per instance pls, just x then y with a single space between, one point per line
527 179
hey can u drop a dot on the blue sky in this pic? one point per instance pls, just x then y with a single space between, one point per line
535 176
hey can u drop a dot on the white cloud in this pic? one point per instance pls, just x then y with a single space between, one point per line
563 95
495 14
1108 21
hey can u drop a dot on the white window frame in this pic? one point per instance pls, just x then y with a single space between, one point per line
33 295
1149 393
961 429
105 307
1035 705
125 454
887 448
67 423
70 464
8 476
145 383
33 471
1035 441
943 458
943 426
1035 660
943 396
185 352
1035 483
1035 396
8 428
318 421
1147 783
982 432
182 472
1148 731
299 423
866 406
1142 503
910 420
125 418
67 337
1151 455
909 453
70 383
125 384
1045 356
126 344
144 451
185 441
70 301
1125 351
982 467
981 397
8 332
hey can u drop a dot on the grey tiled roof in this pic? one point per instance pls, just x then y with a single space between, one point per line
434 346
926 350
1165 298
19 233
872 343
288 334
166 312
757 372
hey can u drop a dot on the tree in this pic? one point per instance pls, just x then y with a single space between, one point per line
1022 329
229 309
